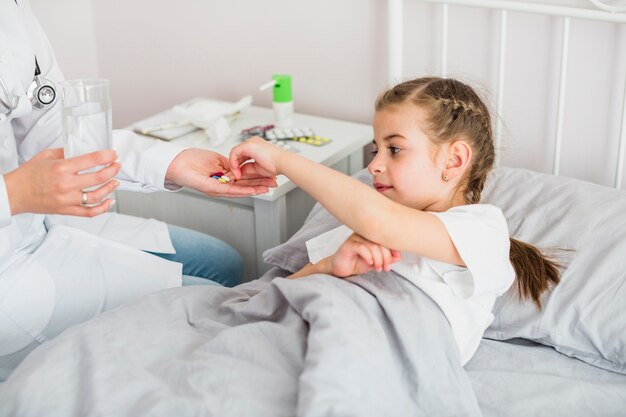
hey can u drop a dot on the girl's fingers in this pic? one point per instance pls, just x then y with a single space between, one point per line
364 252
377 256
386 258
238 155
247 152
255 170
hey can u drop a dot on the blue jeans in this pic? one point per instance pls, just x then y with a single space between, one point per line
205 259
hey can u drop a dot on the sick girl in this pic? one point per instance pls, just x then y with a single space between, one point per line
422 218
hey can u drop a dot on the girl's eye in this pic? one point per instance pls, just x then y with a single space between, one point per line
392 149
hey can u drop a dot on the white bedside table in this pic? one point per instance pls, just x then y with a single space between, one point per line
253 224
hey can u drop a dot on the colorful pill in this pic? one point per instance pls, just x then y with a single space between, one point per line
215 176
225 178
220 179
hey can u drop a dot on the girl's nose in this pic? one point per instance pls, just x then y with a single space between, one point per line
375 167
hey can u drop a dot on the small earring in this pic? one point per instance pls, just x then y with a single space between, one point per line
445 178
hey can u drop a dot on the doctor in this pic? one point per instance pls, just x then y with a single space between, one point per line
55 270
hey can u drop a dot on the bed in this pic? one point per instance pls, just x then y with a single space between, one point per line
277 347
370 345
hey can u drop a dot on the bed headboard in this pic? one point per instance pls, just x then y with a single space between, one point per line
613 15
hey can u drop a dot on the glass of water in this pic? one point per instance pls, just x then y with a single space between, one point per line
87 124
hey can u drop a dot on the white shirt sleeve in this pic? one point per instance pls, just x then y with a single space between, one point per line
327 244
481 236
144 161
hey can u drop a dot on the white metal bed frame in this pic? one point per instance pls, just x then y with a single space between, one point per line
611 14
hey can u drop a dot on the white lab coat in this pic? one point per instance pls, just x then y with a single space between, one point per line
55 276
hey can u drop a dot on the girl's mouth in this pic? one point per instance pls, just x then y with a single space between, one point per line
381 188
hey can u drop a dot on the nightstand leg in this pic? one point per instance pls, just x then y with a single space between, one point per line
270 226
355 162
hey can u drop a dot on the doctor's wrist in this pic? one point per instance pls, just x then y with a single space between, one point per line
175 169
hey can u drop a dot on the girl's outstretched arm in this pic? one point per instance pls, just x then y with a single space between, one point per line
356 205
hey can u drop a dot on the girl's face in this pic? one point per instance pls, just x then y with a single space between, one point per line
408 166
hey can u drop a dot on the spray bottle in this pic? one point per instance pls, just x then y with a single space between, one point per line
282 99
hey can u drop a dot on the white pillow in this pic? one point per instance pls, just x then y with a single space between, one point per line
585 315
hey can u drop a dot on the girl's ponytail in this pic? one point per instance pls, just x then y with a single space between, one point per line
535 273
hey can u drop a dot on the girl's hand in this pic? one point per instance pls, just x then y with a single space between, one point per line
265 157
358 255
49 184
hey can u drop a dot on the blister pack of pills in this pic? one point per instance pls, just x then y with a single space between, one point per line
261 132
283 144
297 134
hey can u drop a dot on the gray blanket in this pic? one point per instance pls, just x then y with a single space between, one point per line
317 346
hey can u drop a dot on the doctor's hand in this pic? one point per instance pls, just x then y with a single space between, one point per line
193 168
49 184
358 255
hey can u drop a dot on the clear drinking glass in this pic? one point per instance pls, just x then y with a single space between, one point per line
87 124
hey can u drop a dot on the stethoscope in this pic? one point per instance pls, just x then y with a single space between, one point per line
42 93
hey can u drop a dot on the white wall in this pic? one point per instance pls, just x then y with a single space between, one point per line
70 27
157 53
160 52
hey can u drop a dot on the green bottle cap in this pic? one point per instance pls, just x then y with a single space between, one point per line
282 88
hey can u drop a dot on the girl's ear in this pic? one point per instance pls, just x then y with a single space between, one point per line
459 157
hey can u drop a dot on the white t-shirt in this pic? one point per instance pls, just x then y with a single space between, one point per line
466 295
